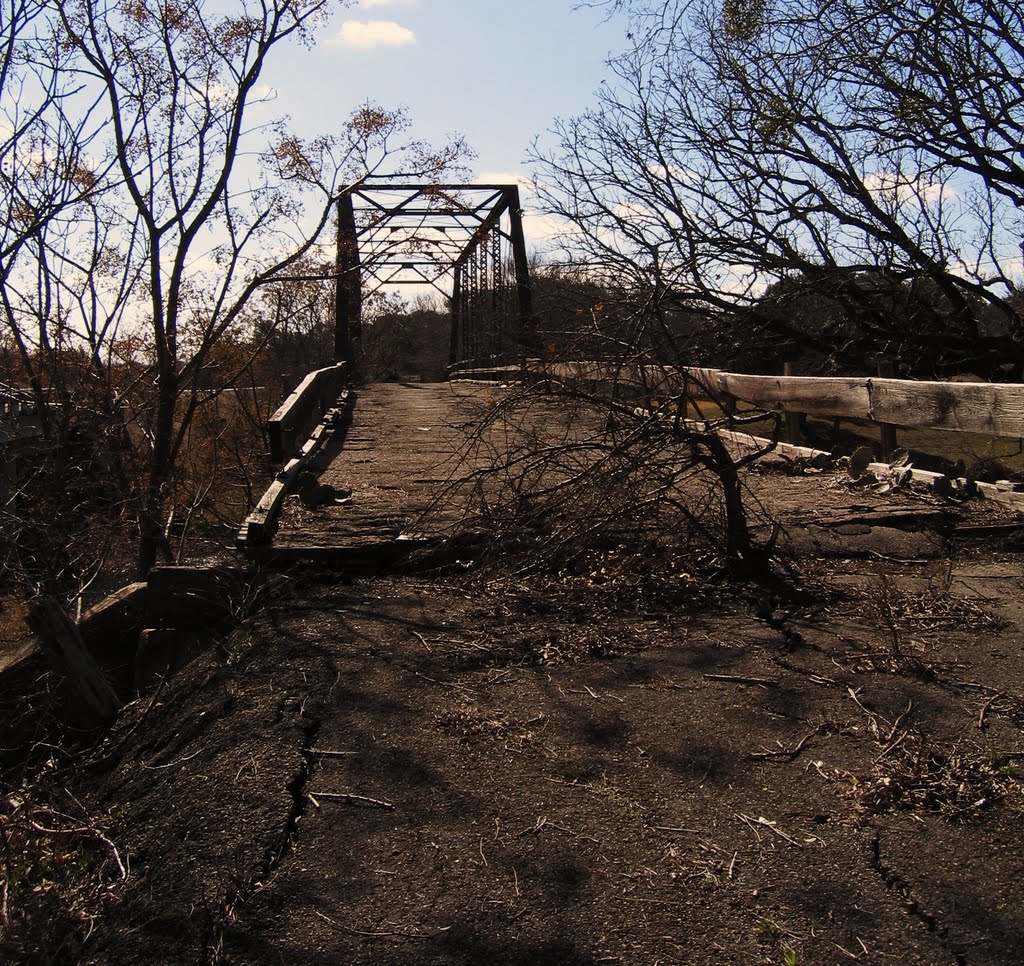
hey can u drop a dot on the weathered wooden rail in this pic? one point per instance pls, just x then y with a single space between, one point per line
991 409
302 411
258 528
987 409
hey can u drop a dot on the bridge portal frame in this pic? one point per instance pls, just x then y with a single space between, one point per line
420 234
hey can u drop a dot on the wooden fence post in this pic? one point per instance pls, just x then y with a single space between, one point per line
887 433
63 645
791 428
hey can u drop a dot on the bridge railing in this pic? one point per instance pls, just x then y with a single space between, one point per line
297 416
985 408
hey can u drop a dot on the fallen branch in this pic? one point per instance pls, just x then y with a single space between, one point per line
768 824
82 833
984 709
349 799
789 754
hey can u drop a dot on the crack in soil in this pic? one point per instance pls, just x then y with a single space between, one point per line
895 883
264 869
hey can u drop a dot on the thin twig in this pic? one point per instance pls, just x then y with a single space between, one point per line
395 934
80 833
350 799
984 709
789 754
737 679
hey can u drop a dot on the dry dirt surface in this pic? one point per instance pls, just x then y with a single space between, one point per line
589 768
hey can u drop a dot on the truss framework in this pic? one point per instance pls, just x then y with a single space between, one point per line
463 240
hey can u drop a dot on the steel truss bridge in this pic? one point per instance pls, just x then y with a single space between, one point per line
465 241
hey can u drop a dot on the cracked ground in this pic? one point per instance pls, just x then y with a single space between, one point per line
466 770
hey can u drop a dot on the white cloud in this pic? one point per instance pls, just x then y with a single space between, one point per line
506 177
386 3
900 189
672 173
373 33
541 229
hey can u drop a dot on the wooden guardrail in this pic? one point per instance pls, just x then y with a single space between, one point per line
987 408
992 409
258 528
297 416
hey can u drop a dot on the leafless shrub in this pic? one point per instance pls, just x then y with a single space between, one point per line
570 482
59 869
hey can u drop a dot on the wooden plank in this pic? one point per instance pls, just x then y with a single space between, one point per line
301 411
988 491
258 527
111 628
814 395
654 379
991 409
62 643
706 381
416 441
791 418
195 597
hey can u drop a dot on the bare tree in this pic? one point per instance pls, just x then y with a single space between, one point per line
170 209
742 143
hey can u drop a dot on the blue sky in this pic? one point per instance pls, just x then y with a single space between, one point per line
498 71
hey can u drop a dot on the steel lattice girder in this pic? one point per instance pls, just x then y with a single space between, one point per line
421 234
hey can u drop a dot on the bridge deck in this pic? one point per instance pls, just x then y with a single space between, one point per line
405 444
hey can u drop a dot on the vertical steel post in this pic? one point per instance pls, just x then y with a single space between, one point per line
453 344
497 346
347 289
529 338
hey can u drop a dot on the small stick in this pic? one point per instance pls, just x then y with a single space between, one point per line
374 935
782 752
899 721
448 684
871 714
847 952
772 827
891 747
80 833
736 679
984 709
351 799
329 753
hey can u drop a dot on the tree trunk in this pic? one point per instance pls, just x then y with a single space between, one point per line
161 463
